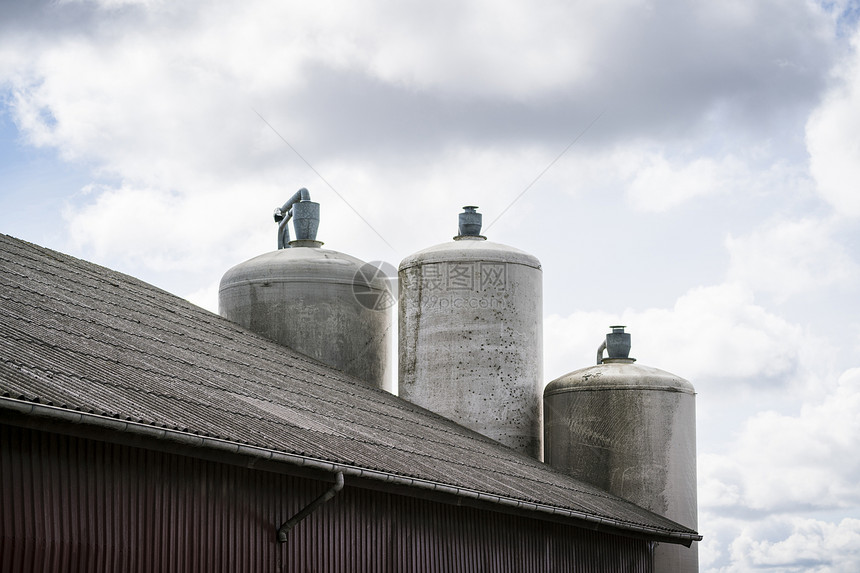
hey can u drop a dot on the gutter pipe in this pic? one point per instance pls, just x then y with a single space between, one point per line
310 508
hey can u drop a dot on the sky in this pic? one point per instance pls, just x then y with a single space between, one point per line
688 169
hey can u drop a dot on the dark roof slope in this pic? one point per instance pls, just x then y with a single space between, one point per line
87 344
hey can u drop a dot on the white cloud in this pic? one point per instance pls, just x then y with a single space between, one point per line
807 545
778 467
790 257
658 179
833 138
711 333
186 70
660 184
711 551
186 121
492 47
782 462
206 297
209 225
114 4
169 231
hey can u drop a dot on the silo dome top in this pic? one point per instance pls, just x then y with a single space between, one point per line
618 376
470 244
617 372
300 265
474 250
302 259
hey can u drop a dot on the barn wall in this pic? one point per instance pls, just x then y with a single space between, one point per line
72 504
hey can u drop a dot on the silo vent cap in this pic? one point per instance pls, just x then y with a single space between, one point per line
470 224
616 345
306 220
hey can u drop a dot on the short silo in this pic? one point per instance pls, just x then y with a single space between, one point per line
631 430
471 335
328 305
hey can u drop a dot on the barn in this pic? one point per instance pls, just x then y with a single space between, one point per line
139 432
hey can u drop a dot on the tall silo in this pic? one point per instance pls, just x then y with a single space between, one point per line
631 430
328 305
471 335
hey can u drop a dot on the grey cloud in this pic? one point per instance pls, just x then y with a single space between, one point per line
663 77
354 113
45 18
664 73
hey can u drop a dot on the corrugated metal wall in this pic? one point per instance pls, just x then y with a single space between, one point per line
72 504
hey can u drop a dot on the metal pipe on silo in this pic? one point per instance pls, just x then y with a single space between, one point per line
631 430
471 335
284 213
322 303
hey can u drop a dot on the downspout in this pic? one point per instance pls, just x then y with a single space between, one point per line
284 213
310 508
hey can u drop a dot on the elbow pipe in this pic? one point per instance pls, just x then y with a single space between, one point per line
600 353
284 213
617 346
310 508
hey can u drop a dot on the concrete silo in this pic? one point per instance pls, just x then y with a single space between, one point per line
471 335
328 305
631 430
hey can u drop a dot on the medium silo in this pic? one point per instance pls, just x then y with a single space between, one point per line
471 335
631 430
325 304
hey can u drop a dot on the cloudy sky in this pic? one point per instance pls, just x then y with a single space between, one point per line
708 197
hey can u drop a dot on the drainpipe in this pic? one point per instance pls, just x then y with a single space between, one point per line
310 508
284 213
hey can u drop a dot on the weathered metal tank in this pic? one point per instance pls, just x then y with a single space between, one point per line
631 430
328 305
471 335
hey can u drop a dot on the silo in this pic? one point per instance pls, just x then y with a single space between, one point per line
631 430
328 305
471 335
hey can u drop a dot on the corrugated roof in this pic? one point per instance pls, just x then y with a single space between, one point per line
98 346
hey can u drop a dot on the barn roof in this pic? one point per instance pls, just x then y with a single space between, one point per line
83 346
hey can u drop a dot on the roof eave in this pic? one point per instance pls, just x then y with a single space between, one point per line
69 419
